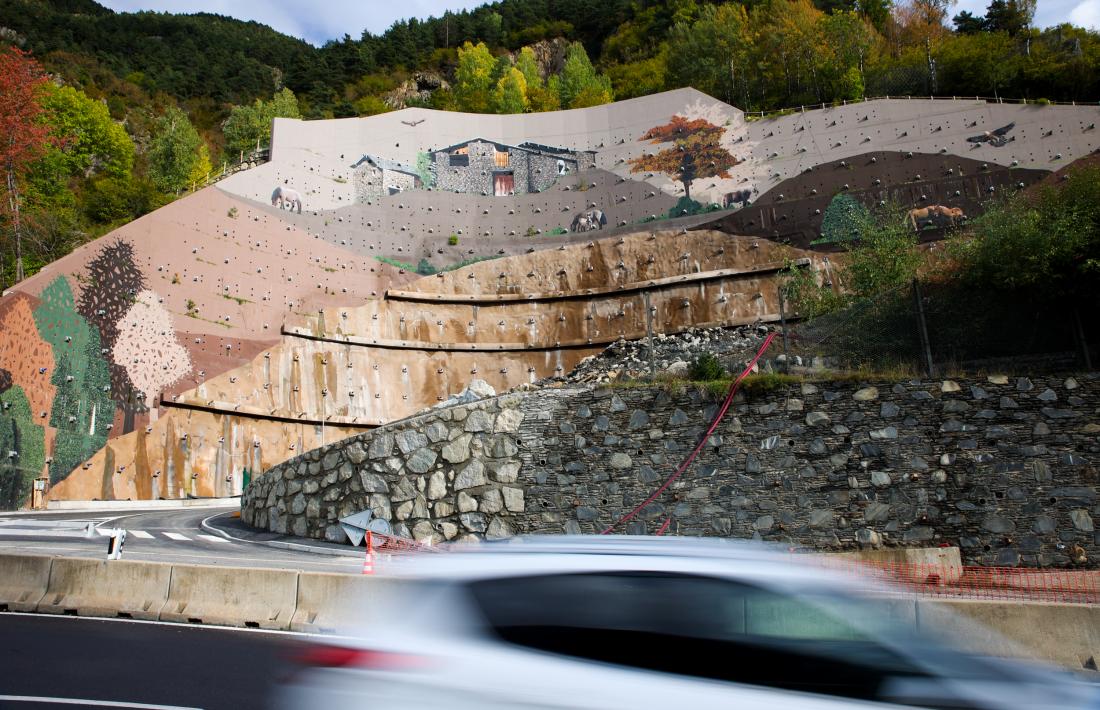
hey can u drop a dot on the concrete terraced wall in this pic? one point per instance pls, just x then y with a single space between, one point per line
1005 469
350 368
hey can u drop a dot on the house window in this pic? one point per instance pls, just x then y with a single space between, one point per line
461 160
500 158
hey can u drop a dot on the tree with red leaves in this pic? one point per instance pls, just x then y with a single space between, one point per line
697 152
23 136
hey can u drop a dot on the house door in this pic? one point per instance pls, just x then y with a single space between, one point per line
504 184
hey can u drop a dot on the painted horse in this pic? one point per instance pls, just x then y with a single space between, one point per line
286 196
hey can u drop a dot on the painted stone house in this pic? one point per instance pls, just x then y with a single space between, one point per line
376 177
483 167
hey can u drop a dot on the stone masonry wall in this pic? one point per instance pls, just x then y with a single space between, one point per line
1003 467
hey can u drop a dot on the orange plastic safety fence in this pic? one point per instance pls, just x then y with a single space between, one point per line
1073 586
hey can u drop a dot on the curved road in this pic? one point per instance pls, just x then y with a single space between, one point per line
162 535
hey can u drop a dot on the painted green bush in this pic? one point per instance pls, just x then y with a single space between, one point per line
82 407
842 220
22 448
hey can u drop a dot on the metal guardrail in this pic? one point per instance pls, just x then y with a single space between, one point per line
246 162
776 113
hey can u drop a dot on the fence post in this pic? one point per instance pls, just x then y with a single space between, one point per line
783 323
922 330
1079 332
649 336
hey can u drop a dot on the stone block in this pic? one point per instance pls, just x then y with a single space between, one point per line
620 461
479 421
513 499
457 450
381 446
471 476
421 460
508 421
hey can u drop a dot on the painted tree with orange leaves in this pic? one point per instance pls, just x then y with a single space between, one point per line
23 136
696 152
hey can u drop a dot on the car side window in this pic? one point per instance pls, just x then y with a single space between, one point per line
690 625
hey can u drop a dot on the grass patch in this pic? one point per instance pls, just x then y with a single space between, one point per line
425 269
240 301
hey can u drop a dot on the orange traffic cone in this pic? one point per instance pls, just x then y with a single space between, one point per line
368 561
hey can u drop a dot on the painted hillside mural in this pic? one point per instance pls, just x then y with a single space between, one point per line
413 251
79 368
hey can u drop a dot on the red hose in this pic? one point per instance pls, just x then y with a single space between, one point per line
691 457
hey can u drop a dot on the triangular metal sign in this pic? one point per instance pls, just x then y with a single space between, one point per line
379 525
355 526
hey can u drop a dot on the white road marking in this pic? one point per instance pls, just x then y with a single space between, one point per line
141 534
97 703
176 536
212 538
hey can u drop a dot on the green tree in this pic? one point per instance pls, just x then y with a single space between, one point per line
885 257
510 95
174 151
529 67
88 141
1047 244
473 78
712 53
248 127
849 39
1011 16
646 76
200 171
580 85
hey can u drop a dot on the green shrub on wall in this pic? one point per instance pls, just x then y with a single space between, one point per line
22 448
82 406
842 220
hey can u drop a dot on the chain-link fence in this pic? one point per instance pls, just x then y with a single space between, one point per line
947 327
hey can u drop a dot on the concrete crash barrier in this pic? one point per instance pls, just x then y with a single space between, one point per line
23 581
1064 634
324 598
88 587
918 565
231 596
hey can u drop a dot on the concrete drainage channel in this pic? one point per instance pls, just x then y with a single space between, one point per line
191 594
1064 634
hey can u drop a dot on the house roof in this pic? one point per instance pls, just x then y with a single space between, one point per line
386 164
528 147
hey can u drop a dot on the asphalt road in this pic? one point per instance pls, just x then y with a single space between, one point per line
172 535
51 661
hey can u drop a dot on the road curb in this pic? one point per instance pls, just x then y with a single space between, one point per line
278 544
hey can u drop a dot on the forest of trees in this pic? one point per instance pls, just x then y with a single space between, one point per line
136 107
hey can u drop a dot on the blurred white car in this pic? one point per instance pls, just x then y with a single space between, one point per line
633 622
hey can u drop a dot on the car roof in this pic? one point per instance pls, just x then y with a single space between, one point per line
563 554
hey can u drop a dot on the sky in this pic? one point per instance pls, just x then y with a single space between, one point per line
322 20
